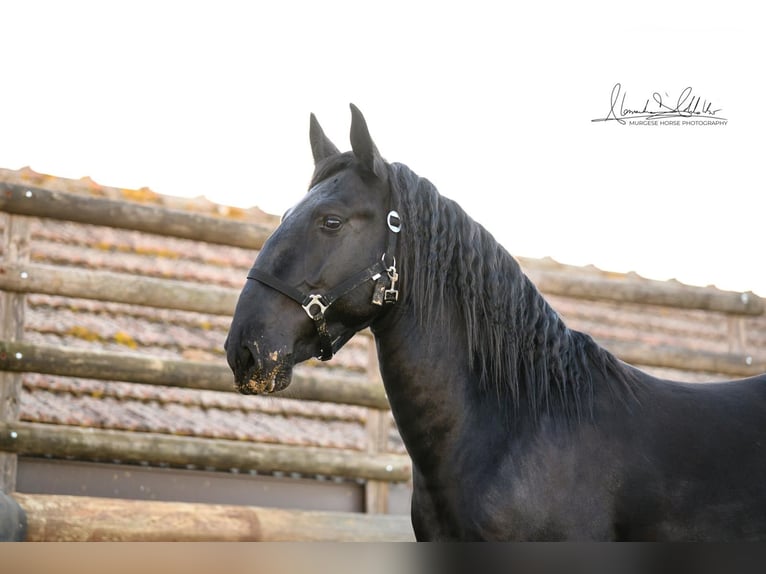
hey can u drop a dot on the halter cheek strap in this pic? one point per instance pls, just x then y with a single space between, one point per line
316 304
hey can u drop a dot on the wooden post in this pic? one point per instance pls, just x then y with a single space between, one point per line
736 328
375 491
16 250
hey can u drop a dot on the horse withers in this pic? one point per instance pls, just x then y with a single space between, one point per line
518 427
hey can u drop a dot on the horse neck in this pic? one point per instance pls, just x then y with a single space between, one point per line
426 380
441 384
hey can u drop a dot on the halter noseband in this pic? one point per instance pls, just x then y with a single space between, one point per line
315 304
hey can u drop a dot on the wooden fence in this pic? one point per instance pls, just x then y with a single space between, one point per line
46 513
63 518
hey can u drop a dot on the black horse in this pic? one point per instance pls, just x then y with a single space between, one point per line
519 428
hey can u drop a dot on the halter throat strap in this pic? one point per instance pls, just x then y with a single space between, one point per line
316 304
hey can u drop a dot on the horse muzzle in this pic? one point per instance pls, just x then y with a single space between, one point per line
258 373
266 381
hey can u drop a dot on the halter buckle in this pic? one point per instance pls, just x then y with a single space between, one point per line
315 300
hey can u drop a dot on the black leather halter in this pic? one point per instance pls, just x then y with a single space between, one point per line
316 304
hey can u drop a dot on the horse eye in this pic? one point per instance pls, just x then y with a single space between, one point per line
332 223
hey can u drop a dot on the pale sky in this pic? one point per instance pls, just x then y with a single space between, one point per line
492 103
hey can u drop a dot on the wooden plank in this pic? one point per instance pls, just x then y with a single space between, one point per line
732 364
12 308
118 288
336 387
308 383
111 366
188 296
56 518
646 293
314 383
84 443
25 200
176 223
375 491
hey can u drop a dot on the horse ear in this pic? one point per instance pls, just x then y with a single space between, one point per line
363 147
321 146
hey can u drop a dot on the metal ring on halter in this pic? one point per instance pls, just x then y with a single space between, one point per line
386 267
394 221
319 301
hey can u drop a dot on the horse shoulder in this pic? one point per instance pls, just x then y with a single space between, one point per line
549 486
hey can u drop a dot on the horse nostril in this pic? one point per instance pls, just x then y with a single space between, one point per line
247 359
240 358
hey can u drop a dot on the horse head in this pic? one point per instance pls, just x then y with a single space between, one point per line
325 273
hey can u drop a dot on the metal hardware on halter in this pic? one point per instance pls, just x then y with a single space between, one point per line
391 295
318 300
385 289
393 221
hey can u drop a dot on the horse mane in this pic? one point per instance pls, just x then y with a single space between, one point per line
518 345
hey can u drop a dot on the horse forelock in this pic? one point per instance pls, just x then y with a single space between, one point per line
517 344
330 166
